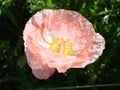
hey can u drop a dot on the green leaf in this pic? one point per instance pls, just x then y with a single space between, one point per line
11 17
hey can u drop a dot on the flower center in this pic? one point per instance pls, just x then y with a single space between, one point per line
64 47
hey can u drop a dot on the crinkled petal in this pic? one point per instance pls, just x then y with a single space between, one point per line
33 50
45 26
39 68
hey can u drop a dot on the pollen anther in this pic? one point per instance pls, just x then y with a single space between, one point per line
64 47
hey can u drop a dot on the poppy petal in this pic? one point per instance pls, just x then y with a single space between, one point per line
60 39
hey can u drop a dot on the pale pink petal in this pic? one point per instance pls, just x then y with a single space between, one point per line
33 50
39 68
47 25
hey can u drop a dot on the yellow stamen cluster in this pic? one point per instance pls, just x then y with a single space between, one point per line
64 47
68 50
55 45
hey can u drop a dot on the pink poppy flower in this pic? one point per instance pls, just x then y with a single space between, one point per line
60 39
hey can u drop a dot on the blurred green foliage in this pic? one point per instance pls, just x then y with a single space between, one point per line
4 4
15 73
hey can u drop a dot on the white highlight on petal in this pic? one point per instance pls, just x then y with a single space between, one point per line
44 44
